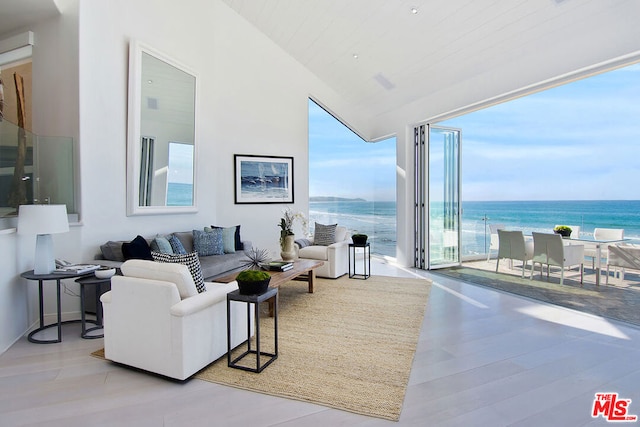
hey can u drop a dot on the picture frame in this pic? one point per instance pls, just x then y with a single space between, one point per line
263 179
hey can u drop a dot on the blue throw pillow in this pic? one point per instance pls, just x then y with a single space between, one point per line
208 242
176 245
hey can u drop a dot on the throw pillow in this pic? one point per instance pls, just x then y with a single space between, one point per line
208 242
161 244
229 240
112 251
191 260
176 245
324 235
138 248
238 240
303 243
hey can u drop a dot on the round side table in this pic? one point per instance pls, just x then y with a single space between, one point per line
41 278
91 280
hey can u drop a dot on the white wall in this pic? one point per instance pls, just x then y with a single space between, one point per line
252 100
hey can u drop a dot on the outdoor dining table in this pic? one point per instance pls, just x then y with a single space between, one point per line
598 244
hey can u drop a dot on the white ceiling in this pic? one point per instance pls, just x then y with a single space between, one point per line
451 54
17 14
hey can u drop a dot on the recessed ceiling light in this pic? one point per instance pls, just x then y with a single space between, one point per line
355 56
414 10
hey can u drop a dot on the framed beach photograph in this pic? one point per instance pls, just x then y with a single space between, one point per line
263 179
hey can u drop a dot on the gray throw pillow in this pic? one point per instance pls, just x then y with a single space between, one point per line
324 235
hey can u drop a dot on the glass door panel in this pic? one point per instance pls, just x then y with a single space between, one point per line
444 197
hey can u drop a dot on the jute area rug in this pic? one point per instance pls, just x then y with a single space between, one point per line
349 345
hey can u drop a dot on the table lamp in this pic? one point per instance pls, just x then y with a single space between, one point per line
43 221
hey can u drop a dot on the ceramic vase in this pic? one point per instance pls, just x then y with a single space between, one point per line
288 248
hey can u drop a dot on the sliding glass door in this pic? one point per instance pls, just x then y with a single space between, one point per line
437 196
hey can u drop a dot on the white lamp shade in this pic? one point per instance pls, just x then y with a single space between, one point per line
42 219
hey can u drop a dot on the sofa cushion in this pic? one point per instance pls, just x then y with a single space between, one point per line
314 252
208 242
176 245
324 235
341 233
186 238
174 273
191 260
138 248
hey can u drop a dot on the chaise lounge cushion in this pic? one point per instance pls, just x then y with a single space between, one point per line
175 273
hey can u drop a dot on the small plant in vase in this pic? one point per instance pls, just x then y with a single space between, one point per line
253 282
359 239
287 237
563 230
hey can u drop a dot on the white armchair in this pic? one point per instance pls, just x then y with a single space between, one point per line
335 255
151 322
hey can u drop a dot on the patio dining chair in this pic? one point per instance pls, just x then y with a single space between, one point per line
549 249
623 256
511 245
602 234
493 243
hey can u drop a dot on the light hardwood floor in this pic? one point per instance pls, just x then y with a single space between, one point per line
484 359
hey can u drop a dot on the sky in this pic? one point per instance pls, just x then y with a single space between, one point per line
578 141
341 164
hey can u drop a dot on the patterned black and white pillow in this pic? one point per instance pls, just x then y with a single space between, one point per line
324 235
191 260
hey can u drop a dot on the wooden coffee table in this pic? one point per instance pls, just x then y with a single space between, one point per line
302 269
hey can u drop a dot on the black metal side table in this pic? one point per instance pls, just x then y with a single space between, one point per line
30 275
255 300
366 261
92 280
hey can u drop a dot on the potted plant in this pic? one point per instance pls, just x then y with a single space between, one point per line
359 239
253 282
563 230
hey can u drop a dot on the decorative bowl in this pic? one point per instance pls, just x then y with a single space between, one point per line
104 272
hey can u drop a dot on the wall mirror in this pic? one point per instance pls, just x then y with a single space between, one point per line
161 144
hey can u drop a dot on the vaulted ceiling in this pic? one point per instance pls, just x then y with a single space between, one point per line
399 61
395 62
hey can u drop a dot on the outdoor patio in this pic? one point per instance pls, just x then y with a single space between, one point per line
619 300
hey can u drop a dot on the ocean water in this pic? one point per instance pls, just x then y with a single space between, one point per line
375 219
378 219
179 194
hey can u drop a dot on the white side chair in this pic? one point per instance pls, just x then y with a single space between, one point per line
512 245
494 242
602 234
549 249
